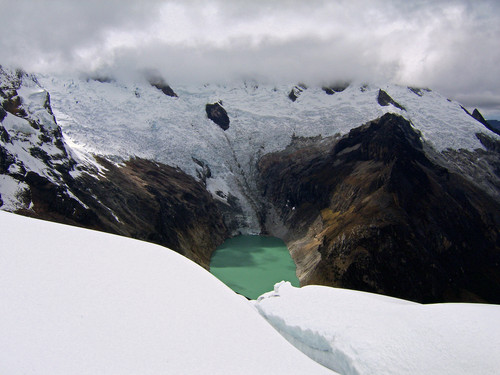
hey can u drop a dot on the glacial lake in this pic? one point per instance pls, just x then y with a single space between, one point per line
251 265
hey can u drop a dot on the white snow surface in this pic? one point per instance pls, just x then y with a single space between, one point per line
11 191
358 333
75 301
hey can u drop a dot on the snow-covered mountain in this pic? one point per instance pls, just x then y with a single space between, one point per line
76 301
377 187
42 174
124 119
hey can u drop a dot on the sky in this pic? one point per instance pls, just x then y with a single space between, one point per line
451 46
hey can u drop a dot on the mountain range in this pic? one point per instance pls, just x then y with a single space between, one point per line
376 187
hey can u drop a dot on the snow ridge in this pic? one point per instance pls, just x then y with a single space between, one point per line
358 333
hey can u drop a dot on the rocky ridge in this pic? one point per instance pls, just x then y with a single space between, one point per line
371 211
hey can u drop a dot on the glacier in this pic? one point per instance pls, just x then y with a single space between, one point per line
130 117
126 117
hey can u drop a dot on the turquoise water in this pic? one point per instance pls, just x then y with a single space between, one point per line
251 265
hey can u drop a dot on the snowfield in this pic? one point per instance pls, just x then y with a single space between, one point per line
133 118
76 301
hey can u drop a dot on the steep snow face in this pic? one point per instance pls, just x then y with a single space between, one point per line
32 148
29 134
134 118
76 301
28 119
361 333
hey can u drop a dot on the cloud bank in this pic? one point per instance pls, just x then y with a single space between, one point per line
450 46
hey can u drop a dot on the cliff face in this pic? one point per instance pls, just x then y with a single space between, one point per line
371 211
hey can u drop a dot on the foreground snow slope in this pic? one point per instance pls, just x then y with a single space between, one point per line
361 333
74 301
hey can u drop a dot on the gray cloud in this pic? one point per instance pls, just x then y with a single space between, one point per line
448 45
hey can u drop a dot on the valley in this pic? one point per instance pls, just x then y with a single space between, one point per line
380 188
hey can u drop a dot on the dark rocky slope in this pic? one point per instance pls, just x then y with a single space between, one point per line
384 100
371 211
139 199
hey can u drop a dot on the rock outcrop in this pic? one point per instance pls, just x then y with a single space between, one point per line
156 80
384 99
476 115
338 87
371 211
295 92
218 114
479 117
418 91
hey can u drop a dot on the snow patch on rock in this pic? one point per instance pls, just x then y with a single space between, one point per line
12 193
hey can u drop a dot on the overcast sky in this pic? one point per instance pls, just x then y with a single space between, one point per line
451 46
